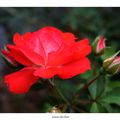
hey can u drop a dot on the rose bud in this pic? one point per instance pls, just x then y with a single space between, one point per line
112 64
98 46
7 56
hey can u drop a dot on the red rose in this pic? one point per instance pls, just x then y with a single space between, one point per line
46 53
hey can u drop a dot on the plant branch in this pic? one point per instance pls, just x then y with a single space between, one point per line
61 95
54 90
85 87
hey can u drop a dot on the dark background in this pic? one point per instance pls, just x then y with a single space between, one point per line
83 22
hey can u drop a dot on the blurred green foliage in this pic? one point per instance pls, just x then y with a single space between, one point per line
87 22
83 22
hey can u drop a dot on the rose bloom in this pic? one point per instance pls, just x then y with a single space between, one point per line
44 54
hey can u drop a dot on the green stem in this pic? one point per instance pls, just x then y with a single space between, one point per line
55 90
61 95
86 86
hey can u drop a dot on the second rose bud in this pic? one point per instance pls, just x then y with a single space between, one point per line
112 64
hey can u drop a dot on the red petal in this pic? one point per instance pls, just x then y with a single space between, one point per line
51 38
25 55
48 42
74 68
84 41
43 41
46 73
78 50
60 57
69 38
82 48
22 40
21 81
31 41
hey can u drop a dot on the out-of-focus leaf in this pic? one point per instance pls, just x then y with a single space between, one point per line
79 87
114 84
109 51
93 90
101 108
107 107
66 87
110 108
112 97
115 109
94 108
36 87
97 87
47 107
87 75
101 84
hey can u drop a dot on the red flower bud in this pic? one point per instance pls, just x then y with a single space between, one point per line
99 45
112 64
7 56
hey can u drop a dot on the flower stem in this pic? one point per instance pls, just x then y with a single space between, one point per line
55 90
61 95
85 87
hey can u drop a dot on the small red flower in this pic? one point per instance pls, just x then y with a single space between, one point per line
46 53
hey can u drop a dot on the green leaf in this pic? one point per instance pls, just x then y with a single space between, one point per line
112 97
94 108
109 52
97 88
93 89
47 107
101 82
114 84
110 108
79 87
86 75
66 87
107 107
